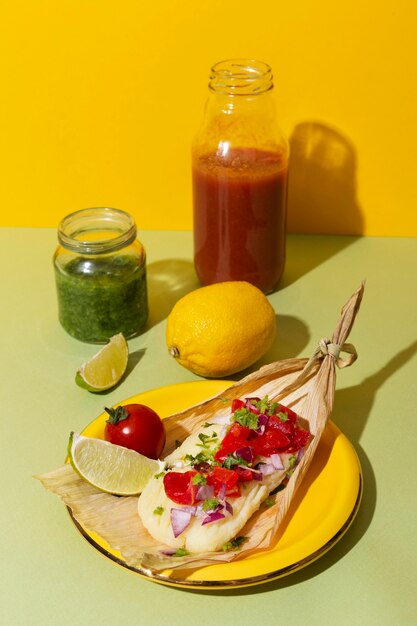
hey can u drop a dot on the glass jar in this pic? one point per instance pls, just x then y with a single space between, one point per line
240 167
100 272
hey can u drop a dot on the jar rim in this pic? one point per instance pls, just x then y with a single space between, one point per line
240 76
114 230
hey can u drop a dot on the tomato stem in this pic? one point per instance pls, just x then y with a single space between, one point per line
116 415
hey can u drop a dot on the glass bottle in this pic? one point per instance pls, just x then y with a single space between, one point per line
100 273
240 168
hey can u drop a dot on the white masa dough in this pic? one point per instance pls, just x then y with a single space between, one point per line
211 536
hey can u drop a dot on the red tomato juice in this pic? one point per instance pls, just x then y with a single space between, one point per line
240 216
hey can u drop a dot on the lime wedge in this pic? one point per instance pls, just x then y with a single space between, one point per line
111 468
104 369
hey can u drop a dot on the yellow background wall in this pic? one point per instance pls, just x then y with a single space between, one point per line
100 100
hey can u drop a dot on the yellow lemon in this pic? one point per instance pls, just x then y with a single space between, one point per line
220 329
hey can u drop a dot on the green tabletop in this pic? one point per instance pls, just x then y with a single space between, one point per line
51 576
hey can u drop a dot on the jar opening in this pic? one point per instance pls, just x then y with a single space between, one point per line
236 77
97 230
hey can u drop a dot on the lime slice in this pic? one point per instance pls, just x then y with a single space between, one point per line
104 369
111 468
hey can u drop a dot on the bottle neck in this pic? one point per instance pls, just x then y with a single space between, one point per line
97 231
240 77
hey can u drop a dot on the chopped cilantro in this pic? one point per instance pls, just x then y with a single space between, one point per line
246 418
177 443
292 462
265 406
181 552
206 440
209 504
234 544
199 479
159 510
230 461
160 474
207 425
283 416
205 456
269 502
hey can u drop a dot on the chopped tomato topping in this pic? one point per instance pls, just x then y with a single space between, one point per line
286 427
299 439
244 474
237 404
179 487
221 476
292 416
272 441
235 439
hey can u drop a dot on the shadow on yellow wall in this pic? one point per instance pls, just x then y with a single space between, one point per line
322 194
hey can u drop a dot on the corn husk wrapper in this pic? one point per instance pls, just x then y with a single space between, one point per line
305 385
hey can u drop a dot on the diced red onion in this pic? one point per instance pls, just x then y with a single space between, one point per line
300 454
192 510
266 468
212 517
180 519
204 492
262 423
256 473
202 467
222 492
252 399
167 552
228 507
245 453
277 461
249 404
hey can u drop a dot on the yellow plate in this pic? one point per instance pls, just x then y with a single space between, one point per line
321 512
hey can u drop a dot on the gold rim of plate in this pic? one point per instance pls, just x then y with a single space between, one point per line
322 510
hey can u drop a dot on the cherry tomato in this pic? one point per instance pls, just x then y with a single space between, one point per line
137 427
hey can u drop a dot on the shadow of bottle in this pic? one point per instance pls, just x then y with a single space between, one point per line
322 183
322 196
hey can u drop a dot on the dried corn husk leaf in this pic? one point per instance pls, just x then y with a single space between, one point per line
305 385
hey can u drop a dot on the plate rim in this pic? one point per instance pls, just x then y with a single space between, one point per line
227 584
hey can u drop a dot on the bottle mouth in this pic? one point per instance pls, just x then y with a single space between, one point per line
96 230
236 77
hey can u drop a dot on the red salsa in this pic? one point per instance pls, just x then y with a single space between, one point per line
240 216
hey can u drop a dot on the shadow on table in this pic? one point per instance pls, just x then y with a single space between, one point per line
352 409
291 338
306 252
171 279
168 281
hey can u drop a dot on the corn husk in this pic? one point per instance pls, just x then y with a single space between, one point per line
305 385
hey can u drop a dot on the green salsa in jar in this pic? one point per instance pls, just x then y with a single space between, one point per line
100 272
